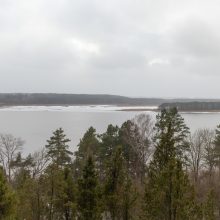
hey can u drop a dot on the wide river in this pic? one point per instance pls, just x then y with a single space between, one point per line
36 124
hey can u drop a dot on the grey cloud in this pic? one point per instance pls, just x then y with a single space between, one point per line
154 47
198 39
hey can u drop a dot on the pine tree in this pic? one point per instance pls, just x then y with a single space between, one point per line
170 137
217 147
88 198
59 192
209 206
217 159
119 192
168 193
57 148
64 202
28 206
133 146
129 198
88 145
114 185
69 196
60 200
110 140
7 199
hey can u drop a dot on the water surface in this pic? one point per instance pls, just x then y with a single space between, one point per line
35 124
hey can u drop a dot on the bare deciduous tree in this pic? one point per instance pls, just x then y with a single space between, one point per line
202 152
144 127
40 162
209 150
10 146
145 124
196 150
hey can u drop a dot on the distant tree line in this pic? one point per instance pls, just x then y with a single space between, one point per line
192 106
10 99
144 169
72 99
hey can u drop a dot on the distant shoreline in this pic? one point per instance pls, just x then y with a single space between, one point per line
138 110
51 99
118 108
69 105
158 110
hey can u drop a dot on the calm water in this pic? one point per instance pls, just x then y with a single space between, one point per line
35 126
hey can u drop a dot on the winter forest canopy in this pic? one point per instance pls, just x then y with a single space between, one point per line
146 169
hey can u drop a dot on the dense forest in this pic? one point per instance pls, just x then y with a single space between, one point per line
10 99
193 106
149 169
72 99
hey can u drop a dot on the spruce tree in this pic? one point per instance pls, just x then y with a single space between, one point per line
7 199
64 203
168 194
133 146
129 199
88 195
209 206
60 203
57 148
110 140
217 160
217 147
59 193
114 184
170 137
68 197
119 191
88 145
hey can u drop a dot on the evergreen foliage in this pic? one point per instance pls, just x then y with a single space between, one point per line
109 141
119 192
209 206
88 195
7 199
168 191
58 149
89 145
114 184
217 146
122 174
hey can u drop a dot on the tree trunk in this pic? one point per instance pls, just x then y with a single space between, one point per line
170 197
51 200
38 204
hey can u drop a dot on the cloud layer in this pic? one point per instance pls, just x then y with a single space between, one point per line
135 48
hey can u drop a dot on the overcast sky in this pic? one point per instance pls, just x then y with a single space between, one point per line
147 48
